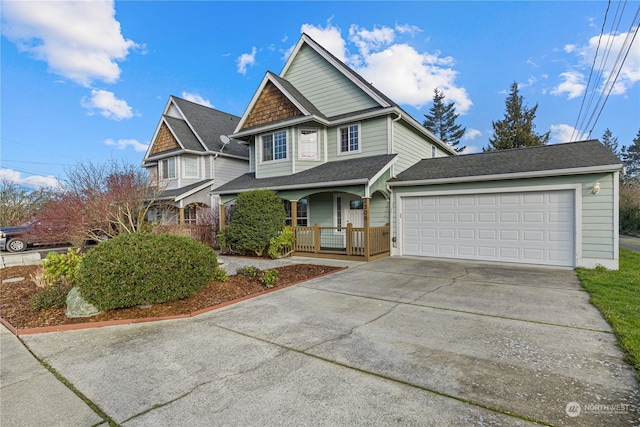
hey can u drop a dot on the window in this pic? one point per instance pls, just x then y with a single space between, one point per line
302 212
433 151
339 213
169 168
308 145
190 214
274 146
190 167
350 139
356 204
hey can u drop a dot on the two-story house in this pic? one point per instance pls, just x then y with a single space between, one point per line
361 178
188 158
327 141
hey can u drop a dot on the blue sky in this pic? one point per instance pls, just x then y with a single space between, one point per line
88 81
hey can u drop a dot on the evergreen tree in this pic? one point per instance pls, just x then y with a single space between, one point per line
631 159
441 121
610 141
516 130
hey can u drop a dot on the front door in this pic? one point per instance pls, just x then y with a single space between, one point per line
354 213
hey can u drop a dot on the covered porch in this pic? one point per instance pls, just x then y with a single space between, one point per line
346 219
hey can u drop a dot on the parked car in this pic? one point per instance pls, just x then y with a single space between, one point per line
32 233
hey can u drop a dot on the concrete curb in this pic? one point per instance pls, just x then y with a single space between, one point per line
14 260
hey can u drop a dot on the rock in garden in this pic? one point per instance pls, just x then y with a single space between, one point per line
78 306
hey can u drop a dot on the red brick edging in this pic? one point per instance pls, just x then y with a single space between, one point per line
78 326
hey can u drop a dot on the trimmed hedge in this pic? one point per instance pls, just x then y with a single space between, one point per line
141 268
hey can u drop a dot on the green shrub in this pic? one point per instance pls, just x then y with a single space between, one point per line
630 209
282 242
61 267
141 268
269 278
258 216
249 271
54 296
220 275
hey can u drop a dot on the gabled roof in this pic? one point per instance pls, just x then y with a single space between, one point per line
548 160
359 170
311 113
198 128
177 194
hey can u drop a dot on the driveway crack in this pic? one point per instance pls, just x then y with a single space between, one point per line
353 329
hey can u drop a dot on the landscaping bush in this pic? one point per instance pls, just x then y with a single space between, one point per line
54 296
61 267
258 216
141 268
269 278
248 270
282 243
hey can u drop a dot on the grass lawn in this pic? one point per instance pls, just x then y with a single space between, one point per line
617 295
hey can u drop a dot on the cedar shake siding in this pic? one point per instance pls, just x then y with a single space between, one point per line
165 141
271 106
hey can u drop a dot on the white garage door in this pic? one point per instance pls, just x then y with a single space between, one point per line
531 227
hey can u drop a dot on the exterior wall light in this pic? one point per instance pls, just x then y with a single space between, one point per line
596 188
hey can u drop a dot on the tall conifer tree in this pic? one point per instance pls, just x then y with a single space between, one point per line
441 121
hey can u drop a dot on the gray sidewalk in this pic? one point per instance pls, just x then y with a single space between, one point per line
31 396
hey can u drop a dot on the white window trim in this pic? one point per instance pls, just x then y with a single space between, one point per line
317 132
261 147
339 143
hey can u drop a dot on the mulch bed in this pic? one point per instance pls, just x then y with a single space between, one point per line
15 297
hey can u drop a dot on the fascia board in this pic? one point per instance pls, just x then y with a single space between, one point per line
300 186
252 103
194 190
517 175
320 120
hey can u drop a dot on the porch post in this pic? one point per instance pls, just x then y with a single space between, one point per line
221 216
181 216
294 221
367 243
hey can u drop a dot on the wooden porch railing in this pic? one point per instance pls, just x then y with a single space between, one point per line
342 242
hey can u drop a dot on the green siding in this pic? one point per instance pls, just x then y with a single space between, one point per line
326 87
410 146
379 210
373 140
597 209
321 209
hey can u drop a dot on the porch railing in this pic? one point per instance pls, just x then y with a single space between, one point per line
348 241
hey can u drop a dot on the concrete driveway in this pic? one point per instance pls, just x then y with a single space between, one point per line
397 341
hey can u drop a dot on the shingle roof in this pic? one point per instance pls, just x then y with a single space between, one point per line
291 89
361 168
209 124
175 192
573 155
181 130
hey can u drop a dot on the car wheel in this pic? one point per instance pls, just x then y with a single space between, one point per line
16 245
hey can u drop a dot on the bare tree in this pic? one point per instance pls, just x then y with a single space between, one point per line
18 205
102 200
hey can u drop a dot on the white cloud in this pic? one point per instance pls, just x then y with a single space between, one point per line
618 43
122 144
329 37
197 98
33 181
471 134
573 85
397 69
563 133
245 60
569 48
470 149
109 106
79 40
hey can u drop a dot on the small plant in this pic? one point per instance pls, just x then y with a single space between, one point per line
283 242
54 296
248 271
269 278
58 268
220 275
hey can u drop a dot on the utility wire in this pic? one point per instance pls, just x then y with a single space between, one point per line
575 127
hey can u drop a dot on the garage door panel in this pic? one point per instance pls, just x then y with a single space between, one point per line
529 227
